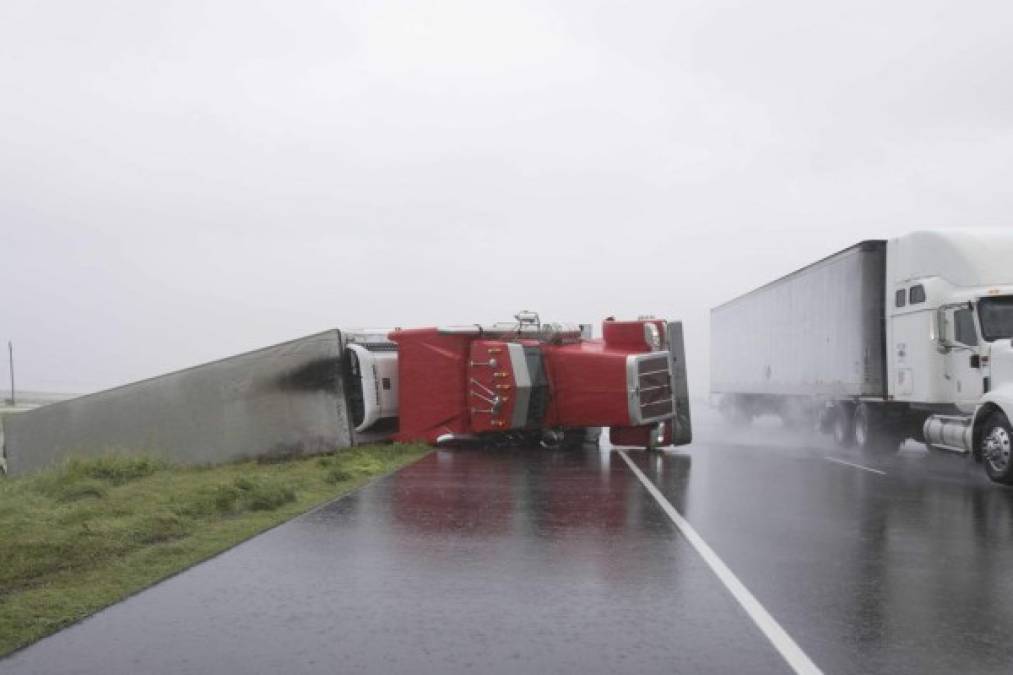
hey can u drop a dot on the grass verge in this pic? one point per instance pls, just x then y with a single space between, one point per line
77 538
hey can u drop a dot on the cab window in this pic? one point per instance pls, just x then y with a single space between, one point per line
996 316
963 328
917 294
900 298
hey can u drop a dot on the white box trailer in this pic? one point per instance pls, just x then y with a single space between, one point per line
815 332
298 397
886 340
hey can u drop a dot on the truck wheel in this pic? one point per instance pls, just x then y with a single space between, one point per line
872 431
574 439
735 410
997 448
825 419
844 428
552 439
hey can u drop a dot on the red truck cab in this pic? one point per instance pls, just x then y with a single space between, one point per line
528 379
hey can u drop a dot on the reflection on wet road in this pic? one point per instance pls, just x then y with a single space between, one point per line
535 561
902 571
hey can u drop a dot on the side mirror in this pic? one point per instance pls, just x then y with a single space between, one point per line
942 344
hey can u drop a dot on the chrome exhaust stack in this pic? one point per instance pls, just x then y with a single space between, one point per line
528 326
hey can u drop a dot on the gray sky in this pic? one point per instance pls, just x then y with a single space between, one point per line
180 181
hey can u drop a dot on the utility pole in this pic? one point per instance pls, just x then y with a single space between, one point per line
10 351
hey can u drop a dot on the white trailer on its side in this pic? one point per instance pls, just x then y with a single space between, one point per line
887 340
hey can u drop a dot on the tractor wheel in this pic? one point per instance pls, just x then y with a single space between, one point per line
872 431
996 448
844 426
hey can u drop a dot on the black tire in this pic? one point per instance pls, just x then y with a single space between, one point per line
825 419
735 410
916 430
563 439
574 439
996 447
872 429
843 427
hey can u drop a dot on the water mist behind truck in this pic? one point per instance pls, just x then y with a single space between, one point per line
884 341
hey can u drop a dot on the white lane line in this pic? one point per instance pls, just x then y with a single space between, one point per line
782 642
856 466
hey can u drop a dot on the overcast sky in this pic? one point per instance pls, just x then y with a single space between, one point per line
181 181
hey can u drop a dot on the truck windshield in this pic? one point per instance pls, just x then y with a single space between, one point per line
996 316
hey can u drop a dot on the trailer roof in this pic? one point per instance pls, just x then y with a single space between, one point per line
322 334
864 245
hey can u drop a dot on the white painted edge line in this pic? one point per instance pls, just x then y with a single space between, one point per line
789 650
856 466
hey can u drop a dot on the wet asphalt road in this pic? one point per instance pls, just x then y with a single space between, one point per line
513 561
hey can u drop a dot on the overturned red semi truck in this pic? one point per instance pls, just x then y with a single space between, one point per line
523 381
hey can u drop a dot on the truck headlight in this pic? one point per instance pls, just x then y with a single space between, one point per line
652 336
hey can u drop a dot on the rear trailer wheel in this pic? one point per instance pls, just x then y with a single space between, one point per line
825 419
844 428
872 429
997 447
736 410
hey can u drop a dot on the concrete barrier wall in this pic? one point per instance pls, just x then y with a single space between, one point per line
284 399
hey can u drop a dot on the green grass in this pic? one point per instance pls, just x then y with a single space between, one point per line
82 536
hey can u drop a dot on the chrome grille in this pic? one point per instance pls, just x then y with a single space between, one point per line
650 378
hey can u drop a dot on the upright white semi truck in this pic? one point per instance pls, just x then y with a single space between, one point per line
881 342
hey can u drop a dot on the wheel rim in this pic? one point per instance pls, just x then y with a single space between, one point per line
861 432
996 449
